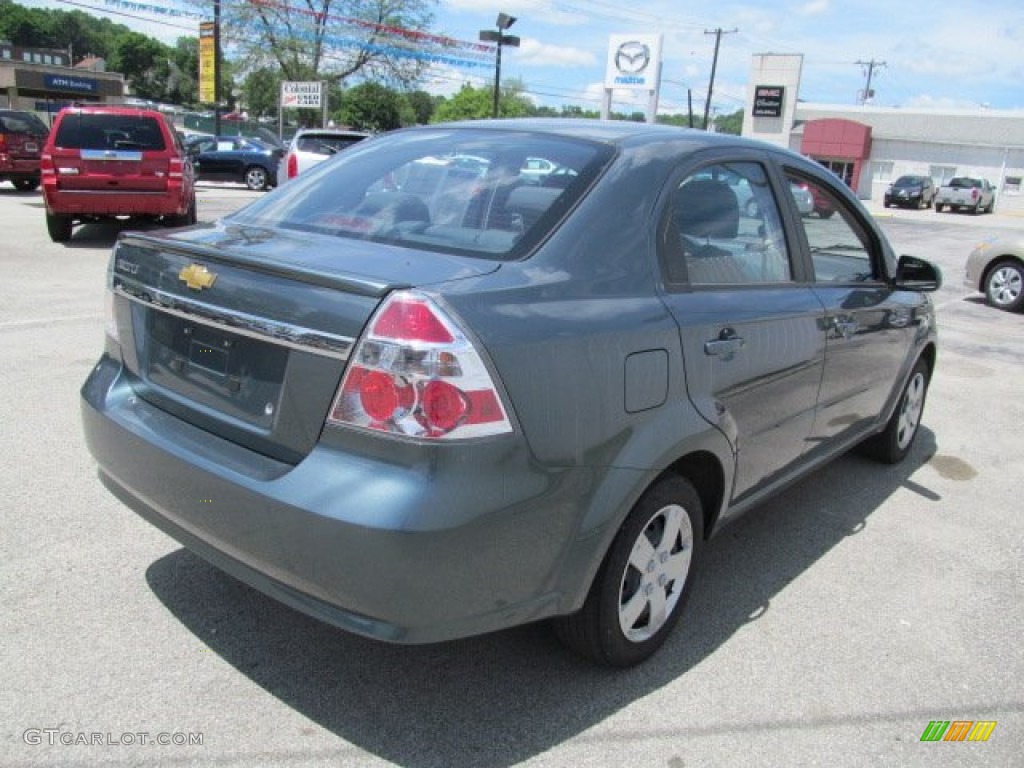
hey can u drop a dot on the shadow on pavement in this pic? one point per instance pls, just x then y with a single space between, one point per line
500 699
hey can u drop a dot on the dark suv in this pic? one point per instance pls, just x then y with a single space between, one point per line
911 191
103 160
22 136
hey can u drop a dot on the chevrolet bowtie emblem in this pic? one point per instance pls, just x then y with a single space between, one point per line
197 277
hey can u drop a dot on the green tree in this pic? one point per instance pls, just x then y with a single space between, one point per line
327 39
144 63
732 123
374 107
422 105
478 104
261 91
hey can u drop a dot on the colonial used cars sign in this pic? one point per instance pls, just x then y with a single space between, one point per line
768 100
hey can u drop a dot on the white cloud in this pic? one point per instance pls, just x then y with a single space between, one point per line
533 53
814 8
537 11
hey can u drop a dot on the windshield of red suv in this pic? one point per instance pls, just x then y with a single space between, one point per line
109 131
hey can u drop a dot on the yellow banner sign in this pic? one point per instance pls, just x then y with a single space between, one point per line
207 63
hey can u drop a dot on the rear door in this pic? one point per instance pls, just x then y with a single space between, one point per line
751 328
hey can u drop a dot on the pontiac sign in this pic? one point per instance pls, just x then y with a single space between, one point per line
768 100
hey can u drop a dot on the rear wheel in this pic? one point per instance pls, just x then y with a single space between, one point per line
645 579
59 227
938 207
25 185
893 444
1004 286
256 178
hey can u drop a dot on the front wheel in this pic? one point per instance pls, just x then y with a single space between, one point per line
892 445
1004 286
938 207
256 178
645 579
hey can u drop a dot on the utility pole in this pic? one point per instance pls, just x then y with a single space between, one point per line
869 67
714 64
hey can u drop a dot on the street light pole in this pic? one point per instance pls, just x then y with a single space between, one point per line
499 38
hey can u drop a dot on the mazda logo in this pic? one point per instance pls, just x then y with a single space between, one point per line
632 57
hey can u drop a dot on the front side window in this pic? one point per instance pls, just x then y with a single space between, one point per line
460 191
725 229
841 251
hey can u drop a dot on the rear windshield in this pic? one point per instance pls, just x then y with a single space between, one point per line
467 191
324 144
98 131
965 183
22 122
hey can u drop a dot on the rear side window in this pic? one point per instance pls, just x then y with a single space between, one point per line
104 131
726 229
457 191
22 122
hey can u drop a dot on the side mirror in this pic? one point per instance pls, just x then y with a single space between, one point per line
914 274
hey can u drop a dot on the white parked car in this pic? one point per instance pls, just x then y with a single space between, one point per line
310 146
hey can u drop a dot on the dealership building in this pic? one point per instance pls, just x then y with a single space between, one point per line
869 147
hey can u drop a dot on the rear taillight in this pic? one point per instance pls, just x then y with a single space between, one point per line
414 372
3 142
176 168
975 194
292 165
46 164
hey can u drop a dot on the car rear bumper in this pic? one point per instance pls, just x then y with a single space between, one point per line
120 203
458 544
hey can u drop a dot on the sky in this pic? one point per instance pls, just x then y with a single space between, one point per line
938 54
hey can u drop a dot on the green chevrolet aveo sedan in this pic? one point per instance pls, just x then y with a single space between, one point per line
423 391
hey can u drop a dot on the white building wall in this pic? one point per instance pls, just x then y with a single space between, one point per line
778 69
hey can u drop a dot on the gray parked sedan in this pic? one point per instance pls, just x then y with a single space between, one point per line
421 401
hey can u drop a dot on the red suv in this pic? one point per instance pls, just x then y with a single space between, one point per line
22 135
104 160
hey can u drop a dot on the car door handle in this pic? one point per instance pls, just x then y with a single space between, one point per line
726 345
845 328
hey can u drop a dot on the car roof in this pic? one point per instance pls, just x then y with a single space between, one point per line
618 132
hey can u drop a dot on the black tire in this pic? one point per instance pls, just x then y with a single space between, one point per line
630 611
256 178
885 203
938 207
25 185
826 214
59 227
1004 285
891 445
976 209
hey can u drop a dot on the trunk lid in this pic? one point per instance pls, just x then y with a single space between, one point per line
245 332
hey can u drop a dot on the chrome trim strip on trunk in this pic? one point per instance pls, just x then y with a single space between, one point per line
286 334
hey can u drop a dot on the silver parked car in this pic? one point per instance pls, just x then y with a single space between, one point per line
996 268
310 146
421 398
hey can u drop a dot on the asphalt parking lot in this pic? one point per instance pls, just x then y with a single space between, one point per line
830 627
